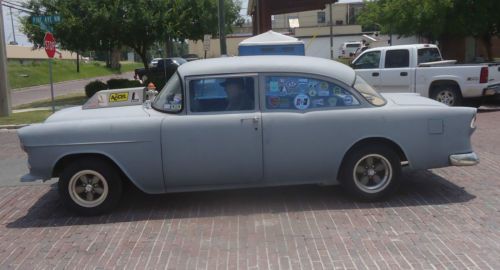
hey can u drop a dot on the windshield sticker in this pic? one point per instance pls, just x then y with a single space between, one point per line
312 92
274 102
283 91
302 102
177 99
274 87
332 101
291 84
118 97
337 91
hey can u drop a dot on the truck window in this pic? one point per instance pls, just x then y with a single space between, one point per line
367 60
397 59
428 55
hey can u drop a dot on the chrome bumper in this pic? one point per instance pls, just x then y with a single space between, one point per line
468 159
492 90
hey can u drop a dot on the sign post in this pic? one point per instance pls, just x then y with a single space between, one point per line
50 49
206 44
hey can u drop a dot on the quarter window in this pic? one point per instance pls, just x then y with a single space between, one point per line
368 60
397 59
222 94
302 93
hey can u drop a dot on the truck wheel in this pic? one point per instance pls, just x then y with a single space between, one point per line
90 186
371 172
447 94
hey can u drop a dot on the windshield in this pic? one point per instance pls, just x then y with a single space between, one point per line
368 92
428 55
170 98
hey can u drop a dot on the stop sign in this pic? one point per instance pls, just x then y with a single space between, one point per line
50 44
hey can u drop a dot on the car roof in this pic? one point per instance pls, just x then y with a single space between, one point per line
271 63
396 47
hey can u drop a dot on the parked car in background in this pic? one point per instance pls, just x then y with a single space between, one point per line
421 69
348 49
249 121
159 68
190 57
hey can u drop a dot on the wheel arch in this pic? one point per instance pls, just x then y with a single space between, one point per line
69 158
441 82
376 140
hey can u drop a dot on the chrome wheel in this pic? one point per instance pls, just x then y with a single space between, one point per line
447 97
372 173
88 188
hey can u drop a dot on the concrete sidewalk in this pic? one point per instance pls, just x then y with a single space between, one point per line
34 93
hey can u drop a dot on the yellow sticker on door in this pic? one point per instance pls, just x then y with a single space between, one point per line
118 97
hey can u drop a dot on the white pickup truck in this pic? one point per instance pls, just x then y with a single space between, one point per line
420 69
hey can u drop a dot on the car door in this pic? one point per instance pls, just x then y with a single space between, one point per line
368 67
303 118
396 76
219 140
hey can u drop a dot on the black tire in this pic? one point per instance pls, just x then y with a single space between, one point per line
447 94
381 156
108 183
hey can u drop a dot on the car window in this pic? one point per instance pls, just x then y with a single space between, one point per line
302 93
170 98
222 94
368 60
428 55
397 58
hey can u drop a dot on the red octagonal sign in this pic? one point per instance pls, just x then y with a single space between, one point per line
50 44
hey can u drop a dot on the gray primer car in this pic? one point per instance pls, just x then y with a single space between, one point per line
307 120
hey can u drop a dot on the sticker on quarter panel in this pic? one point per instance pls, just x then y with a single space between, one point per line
348 100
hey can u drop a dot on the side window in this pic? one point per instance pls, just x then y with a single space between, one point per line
302 93
397 59
222 94
368 60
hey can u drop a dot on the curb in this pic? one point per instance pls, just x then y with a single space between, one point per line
13 126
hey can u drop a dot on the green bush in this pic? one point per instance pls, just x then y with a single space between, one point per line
122 83
94 87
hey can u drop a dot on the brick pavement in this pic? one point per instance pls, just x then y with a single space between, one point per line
441 219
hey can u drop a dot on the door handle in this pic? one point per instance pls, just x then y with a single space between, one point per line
254 120
375 74
403 74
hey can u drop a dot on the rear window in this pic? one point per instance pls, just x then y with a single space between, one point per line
352 45
427 55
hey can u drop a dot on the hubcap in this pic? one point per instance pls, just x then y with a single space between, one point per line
88 188
372 173
446 97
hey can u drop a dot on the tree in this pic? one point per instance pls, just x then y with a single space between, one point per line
138 24
435 19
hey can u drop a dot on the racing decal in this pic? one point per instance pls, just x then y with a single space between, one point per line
302 101
118 97
348 100
283 91
312 92
332 101
323 86
337 91
274 87
291 84
318 102
323 93
274 102
177 99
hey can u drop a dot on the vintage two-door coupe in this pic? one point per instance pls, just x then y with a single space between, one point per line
246 122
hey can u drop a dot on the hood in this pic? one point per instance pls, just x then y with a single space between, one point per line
76 113
411 99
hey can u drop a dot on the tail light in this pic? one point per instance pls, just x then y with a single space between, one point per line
483 78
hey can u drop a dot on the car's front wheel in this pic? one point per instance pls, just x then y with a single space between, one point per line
90 186
371 172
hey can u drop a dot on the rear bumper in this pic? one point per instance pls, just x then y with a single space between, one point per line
492 90
468 159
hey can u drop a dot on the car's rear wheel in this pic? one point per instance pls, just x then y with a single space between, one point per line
371 172
90 187
447 94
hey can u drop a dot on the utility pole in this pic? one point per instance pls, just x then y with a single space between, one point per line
4 84
222 35
13 29
331 30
